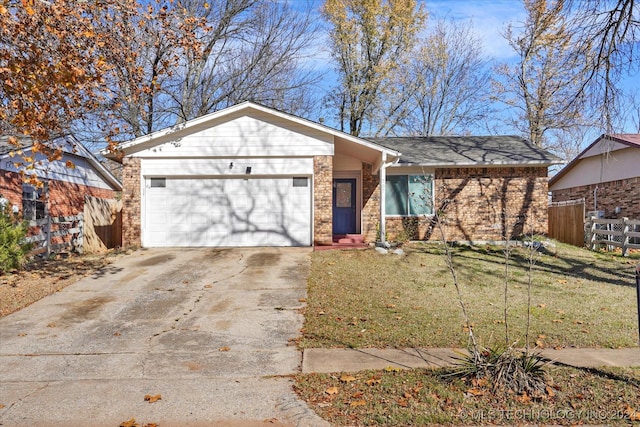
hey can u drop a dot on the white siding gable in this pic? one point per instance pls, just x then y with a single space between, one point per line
82 173
245 136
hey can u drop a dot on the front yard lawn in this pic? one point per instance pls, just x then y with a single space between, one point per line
365 299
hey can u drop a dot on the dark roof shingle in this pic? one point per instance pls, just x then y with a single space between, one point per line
467 150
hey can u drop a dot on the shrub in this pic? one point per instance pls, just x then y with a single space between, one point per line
13 250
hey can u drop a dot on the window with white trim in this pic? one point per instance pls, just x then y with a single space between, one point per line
33 202
409 195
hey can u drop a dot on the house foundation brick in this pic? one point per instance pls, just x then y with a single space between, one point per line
477 204
624 193
131 203
323 199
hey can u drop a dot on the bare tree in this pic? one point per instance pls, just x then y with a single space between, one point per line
447 81
172 61
369 40
248 50
611 30
547 84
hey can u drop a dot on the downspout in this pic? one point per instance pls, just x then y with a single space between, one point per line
383 182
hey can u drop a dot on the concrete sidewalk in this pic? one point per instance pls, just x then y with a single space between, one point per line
322 360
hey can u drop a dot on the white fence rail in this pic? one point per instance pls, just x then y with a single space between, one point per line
622 233
51 228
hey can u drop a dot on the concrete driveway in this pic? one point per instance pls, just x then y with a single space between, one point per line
209 330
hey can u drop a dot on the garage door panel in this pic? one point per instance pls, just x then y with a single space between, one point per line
228 212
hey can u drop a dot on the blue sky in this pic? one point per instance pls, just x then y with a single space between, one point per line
488 19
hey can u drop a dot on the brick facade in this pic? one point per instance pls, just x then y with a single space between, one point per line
481 204
370 203
624 194
131 203
65 198
322 200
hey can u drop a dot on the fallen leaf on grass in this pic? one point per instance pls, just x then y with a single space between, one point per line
542 305
152 399
391 306
557 321
407 395
332 390
579 322
403 402
475 392
392 369
633 414
225 348
347 378
373 381
360 402
523 398
131 423
540 344
550 391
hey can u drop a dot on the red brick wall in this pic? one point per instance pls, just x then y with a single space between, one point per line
65 198
11 188
623 193
322 200
481 204
131 210
370 203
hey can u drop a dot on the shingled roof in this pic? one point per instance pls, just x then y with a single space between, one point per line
7 147
467 151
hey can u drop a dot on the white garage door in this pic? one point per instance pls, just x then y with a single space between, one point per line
227 212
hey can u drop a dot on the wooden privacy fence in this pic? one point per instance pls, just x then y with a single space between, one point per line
622 233
52 234
566 222
103 224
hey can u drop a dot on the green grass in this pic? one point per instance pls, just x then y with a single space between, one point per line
424 397
364 299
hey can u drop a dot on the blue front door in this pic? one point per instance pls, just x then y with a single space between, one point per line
344 206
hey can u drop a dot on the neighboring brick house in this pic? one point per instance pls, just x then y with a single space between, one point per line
606 175
64 185
253 176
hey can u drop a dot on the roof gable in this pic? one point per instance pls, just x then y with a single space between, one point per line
70 146
468 151
603 144
201 124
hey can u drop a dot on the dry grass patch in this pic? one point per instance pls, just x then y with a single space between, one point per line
364 299
42 277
